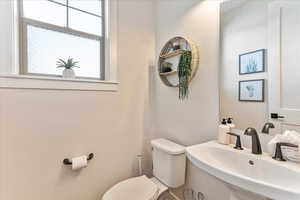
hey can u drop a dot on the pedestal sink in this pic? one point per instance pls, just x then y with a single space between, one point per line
258 174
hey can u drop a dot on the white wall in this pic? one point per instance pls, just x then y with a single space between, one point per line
39 128
243 29
6 37
43 125
195 120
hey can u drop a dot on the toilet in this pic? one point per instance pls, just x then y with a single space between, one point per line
169 164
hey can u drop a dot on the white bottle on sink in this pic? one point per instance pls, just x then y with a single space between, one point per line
223 137
230 123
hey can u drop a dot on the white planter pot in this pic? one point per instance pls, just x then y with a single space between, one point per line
68 73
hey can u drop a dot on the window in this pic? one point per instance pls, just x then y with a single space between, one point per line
54 29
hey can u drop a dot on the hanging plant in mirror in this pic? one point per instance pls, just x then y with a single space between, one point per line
184 74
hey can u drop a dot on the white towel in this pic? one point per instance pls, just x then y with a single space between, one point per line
289 153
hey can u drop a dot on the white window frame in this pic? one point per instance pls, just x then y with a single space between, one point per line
25 22
12 77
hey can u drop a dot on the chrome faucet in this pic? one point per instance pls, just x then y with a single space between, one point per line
256 147
266 128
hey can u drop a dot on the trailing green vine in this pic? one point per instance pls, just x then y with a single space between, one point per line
184 74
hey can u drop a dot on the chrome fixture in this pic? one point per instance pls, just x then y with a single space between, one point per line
256 147
266 128
238 144
278 153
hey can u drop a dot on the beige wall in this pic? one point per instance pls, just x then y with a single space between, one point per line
195 120
243 29
39 128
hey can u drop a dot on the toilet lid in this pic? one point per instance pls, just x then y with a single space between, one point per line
140 188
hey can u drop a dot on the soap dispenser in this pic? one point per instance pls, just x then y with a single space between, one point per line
224 138
230 123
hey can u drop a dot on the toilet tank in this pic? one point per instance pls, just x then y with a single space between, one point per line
169 162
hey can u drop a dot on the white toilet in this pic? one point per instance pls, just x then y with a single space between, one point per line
169 163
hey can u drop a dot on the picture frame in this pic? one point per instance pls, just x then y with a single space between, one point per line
252 90
252 62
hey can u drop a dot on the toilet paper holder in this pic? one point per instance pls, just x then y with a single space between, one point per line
67 161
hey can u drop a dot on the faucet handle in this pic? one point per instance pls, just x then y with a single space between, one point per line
278 153
267 126
238 144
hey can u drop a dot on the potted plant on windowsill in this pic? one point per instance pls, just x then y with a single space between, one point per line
68 72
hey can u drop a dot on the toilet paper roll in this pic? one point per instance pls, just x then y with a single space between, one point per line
79 162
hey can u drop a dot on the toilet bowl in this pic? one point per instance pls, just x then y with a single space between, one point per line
169 163
139 188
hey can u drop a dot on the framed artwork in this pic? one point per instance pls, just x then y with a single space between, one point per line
252 62
252 90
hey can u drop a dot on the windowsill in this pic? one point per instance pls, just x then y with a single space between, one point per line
55 83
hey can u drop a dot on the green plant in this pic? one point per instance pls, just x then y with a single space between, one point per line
250 89
251 66
69 64
184 74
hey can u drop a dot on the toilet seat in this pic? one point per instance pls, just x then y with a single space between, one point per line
139 188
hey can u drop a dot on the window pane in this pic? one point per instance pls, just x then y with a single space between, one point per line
43 10
84 22
92 6
45 47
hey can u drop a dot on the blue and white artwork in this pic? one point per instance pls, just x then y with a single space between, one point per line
252 62
252 90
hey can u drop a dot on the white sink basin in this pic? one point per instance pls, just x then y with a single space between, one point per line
259 174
